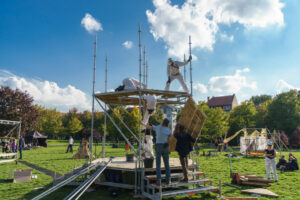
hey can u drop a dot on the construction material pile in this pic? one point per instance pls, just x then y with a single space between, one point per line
250 179
83 151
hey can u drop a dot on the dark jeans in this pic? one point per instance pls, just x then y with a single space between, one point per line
184 165
20 150
70 146
162 150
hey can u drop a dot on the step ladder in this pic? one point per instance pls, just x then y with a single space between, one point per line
198 183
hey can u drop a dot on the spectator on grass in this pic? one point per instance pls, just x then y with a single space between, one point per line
70 146
270 161
21 146
281 163
183 147
163 132
14 146
292 164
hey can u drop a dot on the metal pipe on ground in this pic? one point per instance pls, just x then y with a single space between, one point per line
87 183
68 180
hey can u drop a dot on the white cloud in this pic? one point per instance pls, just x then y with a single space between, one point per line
128 44
200 88
201 20
47 93
90 23
283 86
226 37
231 83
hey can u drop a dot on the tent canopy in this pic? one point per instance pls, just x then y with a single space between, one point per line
35 135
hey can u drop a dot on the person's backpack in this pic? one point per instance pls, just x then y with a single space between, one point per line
120 88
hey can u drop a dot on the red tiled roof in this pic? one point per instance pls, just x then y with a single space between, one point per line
220 101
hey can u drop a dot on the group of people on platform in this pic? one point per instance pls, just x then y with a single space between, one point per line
183 147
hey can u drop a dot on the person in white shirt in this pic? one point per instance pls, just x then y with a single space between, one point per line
132 84
173 72
150 105
70 146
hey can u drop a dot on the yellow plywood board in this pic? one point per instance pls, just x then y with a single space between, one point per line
260 191
192 118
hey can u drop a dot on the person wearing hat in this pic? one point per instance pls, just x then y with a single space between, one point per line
173 72
270 161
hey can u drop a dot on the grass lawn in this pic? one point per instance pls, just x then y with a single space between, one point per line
216 168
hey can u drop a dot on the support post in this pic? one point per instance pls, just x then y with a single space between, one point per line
105 119
184 68
144 66
140 103
93 101
147 73
191 77
19 134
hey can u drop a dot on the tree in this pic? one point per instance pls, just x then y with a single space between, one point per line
242 116
71 122
111 129
216 124
86 118
50 121
284 112
157 117
257 100
74 125
17 105
262 119
131 119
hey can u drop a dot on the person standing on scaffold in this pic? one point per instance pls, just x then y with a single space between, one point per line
173 72
150 105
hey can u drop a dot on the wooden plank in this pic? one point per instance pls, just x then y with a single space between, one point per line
260 191
255 184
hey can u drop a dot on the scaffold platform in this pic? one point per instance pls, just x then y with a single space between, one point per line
131 97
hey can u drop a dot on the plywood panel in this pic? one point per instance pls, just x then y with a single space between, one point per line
192 118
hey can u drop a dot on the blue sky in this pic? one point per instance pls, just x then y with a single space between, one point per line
239 46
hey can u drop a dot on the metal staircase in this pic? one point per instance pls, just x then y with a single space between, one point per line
197 183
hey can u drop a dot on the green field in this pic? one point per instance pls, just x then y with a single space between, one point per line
54 158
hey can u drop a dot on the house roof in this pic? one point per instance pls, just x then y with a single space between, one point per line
220 101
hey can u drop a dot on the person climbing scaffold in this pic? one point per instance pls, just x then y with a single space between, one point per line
173 72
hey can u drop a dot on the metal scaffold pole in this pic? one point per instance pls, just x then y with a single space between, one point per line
191 77
93 101
104 132
144 65
147 73
184 68
140 101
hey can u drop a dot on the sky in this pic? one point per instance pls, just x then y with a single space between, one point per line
239 47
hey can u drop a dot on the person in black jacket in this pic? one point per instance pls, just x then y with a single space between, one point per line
281 163
292 164
183 147
21 146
